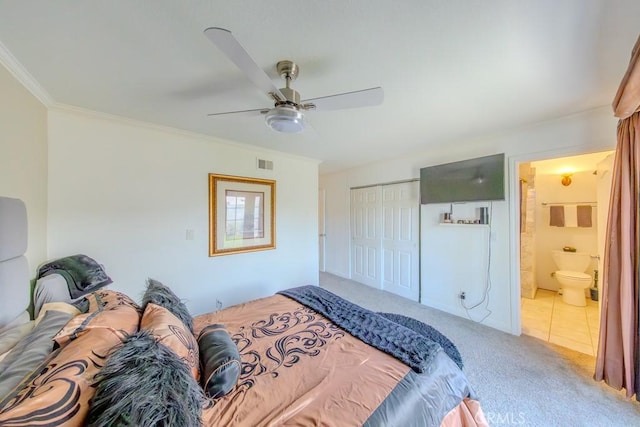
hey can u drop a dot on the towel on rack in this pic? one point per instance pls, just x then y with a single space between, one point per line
570 216
556 216
583 213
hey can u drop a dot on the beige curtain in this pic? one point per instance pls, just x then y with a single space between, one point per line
618 349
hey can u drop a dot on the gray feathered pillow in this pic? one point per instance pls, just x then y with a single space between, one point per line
143 383
163 296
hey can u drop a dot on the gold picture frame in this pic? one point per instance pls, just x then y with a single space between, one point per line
242 214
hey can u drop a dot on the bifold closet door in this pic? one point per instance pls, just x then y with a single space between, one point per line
385 236
366 241
400 237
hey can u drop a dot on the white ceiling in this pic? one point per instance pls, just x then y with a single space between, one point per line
572 164
450 69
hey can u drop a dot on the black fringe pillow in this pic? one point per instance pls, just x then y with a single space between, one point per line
163 296
143 383
220 361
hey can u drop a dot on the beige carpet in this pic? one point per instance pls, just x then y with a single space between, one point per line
519 380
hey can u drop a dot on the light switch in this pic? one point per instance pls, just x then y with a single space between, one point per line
190 234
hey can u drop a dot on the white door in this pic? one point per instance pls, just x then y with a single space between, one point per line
400 236
366 242
322 234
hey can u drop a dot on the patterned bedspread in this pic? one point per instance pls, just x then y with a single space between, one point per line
298 366
301 368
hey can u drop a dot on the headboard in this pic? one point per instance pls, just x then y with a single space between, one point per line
14 268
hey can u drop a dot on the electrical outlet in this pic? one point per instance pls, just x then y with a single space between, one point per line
462 295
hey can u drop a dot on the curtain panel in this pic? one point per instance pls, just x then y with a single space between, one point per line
627 99
618 343
618 359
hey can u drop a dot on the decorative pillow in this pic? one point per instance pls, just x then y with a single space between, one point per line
20 319
106 299
58 391
64 307
170 331
220 361
144 383
29 353
51 288
161 295
114 311
10 337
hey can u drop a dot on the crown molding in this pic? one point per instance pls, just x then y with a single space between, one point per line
21 74
172 130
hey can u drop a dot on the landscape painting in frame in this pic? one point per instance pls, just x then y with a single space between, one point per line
241 214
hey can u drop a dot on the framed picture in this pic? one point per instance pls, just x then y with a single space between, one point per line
242 214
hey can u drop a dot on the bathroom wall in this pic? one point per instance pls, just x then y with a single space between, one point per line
550 190
528 284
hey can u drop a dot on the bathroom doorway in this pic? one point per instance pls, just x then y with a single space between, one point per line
549 187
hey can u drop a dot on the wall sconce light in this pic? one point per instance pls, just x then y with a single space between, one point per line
566 179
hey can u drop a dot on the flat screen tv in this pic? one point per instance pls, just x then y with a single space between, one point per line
479 179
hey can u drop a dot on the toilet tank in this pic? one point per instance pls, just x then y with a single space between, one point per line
571 261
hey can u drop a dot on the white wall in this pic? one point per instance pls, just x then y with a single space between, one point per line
593 130
584 239
454 259
23 159
125 194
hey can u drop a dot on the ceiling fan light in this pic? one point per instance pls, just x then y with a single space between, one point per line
285 119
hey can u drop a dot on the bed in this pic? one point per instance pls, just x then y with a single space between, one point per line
301 357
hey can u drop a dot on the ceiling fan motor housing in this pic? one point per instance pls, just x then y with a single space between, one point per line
293 97
289 71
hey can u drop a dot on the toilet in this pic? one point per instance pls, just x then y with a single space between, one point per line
571 275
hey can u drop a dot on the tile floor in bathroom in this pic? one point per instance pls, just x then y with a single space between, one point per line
548 318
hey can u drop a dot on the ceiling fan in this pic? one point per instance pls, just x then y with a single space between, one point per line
287 114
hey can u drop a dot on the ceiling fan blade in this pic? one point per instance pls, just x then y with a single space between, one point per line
359 98
236 53
254 112
309 130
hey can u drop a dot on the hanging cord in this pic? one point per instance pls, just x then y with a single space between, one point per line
485 296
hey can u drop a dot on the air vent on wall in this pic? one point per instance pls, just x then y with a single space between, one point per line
265 164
